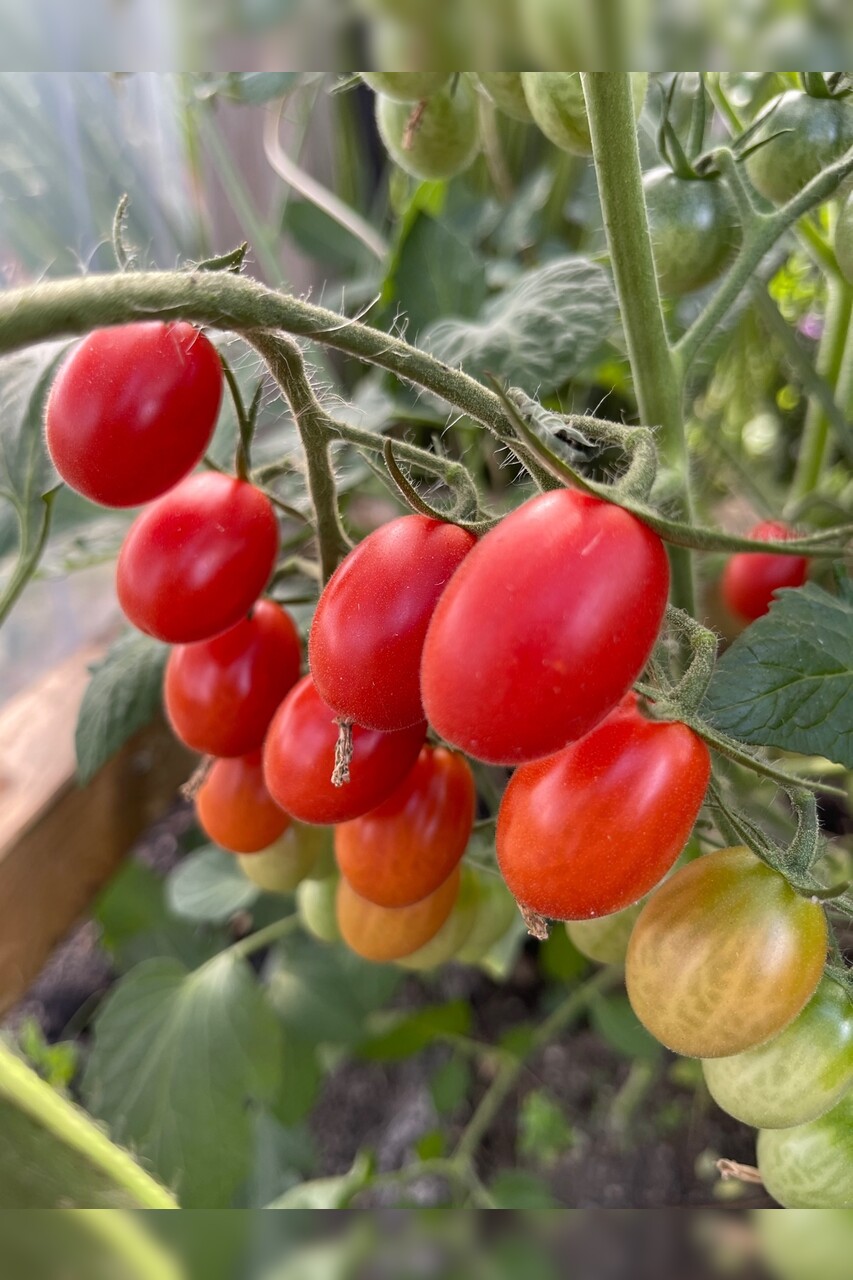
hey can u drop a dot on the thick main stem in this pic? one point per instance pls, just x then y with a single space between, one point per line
655 371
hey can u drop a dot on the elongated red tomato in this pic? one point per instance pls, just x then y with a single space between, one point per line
299 757
543 628
132 410
234 808
592 829
368 632
221 694
195 561
750 578
403 850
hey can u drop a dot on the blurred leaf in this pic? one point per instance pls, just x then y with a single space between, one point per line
87 1244
250 88
437 274
176 1058
518 1040
301 1076
616 1022
209 884
123 695
450 1084
55 1063
559 958
282 1157
410 1033
328 1193
322 237
544 1133
136 923
516 1189
787 681
538 334
431 1146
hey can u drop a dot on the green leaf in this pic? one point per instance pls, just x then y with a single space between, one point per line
88 1244
301 1076
559 958
53 1156
55 1063
328 1193
787 681
122 697
516 1189
249 88
176 1058
137 925
431 1145
410 1033
322 237
437 274
209 885
544 1134
616 1022
450 1085
538 334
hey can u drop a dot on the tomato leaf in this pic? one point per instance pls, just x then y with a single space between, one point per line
616 1022
787 681
517 1189
457 289
449 1085
410 1034
209 885
123 696
177 1056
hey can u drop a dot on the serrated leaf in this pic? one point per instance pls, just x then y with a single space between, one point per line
209 885
410 1033
123 696
787 681
177 1056
538 334
323 993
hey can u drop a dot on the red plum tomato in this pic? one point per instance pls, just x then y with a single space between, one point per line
750 578
543 628
234 808
132 410
368 632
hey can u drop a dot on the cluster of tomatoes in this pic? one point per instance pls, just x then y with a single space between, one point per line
519 649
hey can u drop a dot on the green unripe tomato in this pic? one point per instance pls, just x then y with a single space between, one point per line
796 1076
315 902
556 102
446 138
495 913
800 1246
406 86
820 130
287 861
605 939
811 1165
445 944
555 32
507 93
844 239
694 227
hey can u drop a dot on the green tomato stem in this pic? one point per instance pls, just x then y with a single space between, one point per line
834 361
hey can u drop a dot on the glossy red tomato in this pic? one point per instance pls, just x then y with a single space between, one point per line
132 410
750 578
592 829
299 756
234 808
403 850
543 628
368 632
194 562
221 694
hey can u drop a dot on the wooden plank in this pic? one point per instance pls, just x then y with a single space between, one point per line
60 843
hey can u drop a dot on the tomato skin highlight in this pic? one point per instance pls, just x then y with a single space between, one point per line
810 1166
234 808
221 694
751 577
195 561
592 829
368 631
132 410
403 850
389 933
724 955
796 1076
543 628
299 756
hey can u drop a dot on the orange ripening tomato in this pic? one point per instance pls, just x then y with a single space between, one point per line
405 848
234 808
750 578
383 934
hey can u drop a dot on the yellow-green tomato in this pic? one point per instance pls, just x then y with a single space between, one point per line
507 93
315 902
436 143
444 945
284 864
724 955
605 939
556 102
406 86
810 1166
496 909
802 1246
796 1076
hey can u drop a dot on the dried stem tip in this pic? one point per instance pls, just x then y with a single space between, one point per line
343 754
536 925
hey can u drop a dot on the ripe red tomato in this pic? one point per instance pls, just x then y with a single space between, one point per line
543 628
403 850
368 632
750 578
195 561
221 694
299 756
132 410
389 933
234 808
592 829
724 955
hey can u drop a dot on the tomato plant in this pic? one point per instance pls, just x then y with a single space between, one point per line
132 410
235 809
694 226
543 627
435 140
810 1166
401 851
592 829
810 132
390 933
221 694
196 560
299 759
724 956
750 579
368 631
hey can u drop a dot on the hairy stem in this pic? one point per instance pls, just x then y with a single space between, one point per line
829 406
